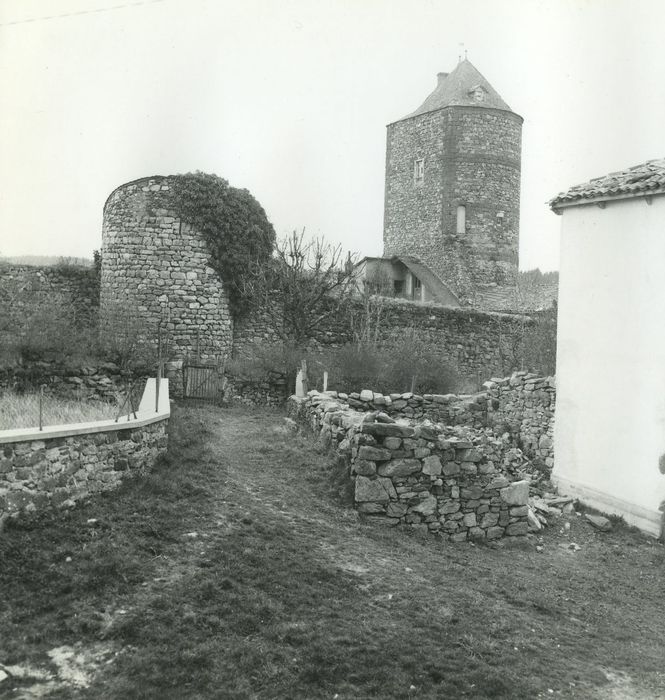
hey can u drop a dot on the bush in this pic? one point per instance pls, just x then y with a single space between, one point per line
128 340
405 363
260 361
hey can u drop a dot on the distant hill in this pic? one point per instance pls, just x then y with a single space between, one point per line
45 260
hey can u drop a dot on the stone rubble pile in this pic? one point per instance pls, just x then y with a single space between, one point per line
525 404
450 480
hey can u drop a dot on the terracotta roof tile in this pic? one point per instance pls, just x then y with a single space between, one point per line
646 178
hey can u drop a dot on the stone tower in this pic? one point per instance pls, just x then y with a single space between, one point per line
452 193
155 270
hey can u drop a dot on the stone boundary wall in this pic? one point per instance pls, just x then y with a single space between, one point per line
521 405
25 290
105 381
449 480
477 344
62 464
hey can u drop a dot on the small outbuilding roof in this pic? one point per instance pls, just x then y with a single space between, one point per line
464 87
638 181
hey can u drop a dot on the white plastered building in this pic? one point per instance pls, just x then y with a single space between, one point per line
609 434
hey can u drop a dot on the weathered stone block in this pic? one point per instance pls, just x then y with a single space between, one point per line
451 468
426 507
432 466
396 510
400 467
517 494
379 489
374 454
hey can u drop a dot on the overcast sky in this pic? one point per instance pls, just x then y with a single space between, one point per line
290 99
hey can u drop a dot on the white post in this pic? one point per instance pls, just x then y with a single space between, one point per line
300 389
325 381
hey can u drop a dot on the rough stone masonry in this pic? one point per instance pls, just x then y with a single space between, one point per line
450 480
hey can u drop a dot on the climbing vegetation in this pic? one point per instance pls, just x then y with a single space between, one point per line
234 225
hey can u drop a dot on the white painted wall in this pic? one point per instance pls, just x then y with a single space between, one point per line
610 414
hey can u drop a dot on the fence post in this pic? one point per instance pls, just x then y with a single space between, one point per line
41 401
159 366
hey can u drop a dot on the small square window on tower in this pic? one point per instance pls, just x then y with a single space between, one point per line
419 171
461 219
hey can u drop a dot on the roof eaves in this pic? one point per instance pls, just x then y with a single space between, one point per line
567 202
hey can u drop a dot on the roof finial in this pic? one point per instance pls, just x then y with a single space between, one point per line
465 54
459 55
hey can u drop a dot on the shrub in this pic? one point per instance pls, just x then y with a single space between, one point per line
403 363
259 362
54 332
127 340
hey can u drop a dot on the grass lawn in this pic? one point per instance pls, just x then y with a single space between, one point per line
22 411
236 570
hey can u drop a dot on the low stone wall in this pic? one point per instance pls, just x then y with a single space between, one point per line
521 405
66 463
476 344
456 481
525 405
103 381
26 290
449 409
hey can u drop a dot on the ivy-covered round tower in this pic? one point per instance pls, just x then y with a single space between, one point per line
453 186
155 268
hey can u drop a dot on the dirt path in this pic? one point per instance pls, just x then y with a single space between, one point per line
236 571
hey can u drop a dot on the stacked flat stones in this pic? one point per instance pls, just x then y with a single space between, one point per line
449 480
50 471
450 409
525 403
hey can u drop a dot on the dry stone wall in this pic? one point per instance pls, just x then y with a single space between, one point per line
476 344
39 472
155 269
521 406
525 405
26 290
448 480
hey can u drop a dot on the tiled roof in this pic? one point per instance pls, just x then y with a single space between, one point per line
640 180
458 89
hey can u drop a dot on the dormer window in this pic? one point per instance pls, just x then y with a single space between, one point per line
478 93
419 171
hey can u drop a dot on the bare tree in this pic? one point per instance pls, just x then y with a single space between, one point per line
303 287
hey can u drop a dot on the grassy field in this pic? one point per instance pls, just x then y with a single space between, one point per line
237 570
22 411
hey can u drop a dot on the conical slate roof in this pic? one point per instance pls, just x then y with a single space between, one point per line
466 87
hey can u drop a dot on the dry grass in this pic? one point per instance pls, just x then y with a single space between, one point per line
234 571
22 411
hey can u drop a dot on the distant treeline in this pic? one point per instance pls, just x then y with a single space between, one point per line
45 260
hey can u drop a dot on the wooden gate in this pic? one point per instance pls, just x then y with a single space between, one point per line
203 381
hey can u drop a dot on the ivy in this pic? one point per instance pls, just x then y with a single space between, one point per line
234 226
